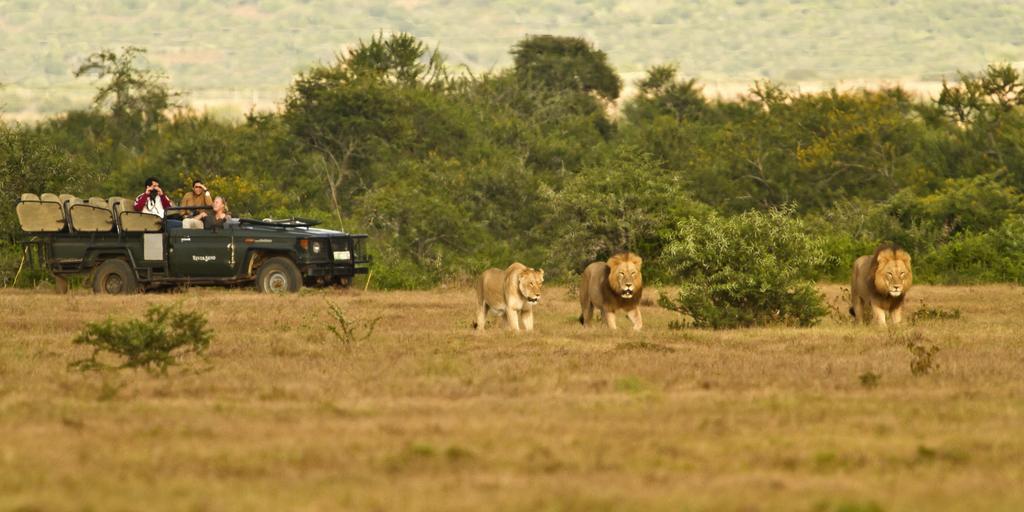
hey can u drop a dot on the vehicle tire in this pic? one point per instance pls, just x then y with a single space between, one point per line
344 281
278 275
114 277
60 283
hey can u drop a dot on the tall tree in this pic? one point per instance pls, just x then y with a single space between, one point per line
360 106
135 95
660 93
562 62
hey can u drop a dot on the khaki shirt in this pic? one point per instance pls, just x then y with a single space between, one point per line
191 199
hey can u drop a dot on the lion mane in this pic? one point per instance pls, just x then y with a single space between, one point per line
512 292
880 283
612 286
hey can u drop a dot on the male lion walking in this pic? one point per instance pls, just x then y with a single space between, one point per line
880 282
612 286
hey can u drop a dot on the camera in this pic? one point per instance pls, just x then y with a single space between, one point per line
153 194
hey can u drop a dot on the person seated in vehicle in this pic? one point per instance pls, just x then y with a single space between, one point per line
218 216
154 202
199 196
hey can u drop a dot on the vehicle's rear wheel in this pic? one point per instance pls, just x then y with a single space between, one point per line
344 281
114 277
278 275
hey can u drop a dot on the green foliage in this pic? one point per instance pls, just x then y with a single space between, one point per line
996 255
31 162
660 93
749 270
422 220
155 343
996 90
399 58
971 204
451 173
136 96
349 332
566 63
627 202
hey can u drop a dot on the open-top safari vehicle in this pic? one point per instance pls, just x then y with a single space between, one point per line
124 251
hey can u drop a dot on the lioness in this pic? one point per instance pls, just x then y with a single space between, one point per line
881 281
613 286
512 292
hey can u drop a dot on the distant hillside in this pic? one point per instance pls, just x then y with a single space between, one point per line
241 52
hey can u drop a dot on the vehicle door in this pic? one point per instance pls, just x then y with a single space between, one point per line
202 253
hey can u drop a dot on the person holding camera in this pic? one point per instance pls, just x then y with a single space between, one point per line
199 196
154 202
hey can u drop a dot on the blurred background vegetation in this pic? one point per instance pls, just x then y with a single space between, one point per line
543 158
231 54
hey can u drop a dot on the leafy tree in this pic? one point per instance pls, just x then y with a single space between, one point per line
996 255
627 202
31 163
399 59
996 90
136 96
569 63
367 105
968 204
660 93
425 217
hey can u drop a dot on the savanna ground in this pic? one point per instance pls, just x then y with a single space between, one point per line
425 415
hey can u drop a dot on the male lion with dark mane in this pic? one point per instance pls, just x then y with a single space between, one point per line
511 292
881 281
612 286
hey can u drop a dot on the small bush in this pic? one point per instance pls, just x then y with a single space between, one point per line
926 312
922 357
757 268
644 346
870 380
155 343
348 331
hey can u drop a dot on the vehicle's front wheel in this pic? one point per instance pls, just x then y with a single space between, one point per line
278 275
114 277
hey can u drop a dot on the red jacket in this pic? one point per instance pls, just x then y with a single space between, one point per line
140 201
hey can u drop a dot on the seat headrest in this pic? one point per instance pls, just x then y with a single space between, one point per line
46 196
29 197
98 201
67 197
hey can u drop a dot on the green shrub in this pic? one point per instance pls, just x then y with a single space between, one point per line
348 332
996 255
155 343
757 268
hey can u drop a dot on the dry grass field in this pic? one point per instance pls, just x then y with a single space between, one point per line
425 415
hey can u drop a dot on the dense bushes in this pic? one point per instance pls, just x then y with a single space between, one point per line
756 268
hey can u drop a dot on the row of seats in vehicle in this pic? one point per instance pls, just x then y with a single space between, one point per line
51 213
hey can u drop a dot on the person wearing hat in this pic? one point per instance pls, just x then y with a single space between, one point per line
198 196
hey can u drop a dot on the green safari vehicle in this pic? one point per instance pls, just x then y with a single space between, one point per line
124 251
